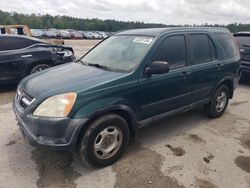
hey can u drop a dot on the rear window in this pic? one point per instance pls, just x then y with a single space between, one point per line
227 43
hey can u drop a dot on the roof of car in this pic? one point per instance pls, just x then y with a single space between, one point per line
22 36
158 31
242 33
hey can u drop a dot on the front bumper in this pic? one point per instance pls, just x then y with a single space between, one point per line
53 133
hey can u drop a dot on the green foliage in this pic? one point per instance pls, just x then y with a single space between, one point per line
66 22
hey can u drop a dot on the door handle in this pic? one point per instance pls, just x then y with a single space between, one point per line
25 56
185 73
220 65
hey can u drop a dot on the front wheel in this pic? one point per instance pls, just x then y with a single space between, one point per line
39 68
104 141
218 103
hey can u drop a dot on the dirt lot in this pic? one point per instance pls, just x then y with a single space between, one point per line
188 150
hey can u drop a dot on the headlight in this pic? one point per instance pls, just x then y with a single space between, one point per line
56 106
67 53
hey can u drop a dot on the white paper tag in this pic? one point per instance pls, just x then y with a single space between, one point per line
144 40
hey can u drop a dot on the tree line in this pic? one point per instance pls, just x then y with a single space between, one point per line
65 22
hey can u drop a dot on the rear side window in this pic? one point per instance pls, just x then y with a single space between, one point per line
172 50
227 43
9 43
202 48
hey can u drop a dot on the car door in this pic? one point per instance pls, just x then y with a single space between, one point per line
169 91
205 66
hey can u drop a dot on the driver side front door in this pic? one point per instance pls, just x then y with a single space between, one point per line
163 93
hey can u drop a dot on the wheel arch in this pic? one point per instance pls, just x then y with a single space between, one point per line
122 110
229 82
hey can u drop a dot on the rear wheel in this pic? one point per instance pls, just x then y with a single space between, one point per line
39 68
104 141
219 102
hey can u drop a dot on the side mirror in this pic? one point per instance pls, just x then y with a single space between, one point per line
157 67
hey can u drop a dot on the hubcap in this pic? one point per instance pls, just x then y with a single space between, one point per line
221 101
107 142
38 69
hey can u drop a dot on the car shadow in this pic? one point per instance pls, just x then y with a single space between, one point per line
8 88
7 93
245 82
172 126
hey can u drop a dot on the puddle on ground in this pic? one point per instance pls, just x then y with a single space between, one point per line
141 168
196 138
243 163
204 184
177 151
55 169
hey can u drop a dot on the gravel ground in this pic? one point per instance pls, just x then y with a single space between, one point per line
188 150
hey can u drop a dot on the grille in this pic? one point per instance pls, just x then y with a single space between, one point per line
23 99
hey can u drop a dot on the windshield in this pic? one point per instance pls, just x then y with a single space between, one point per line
242 40
119 53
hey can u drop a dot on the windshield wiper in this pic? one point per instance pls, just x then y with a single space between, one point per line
96 65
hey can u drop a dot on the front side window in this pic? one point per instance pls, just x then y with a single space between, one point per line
172 50
202 48
119 53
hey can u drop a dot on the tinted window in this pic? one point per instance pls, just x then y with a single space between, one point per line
202 48
9 43
242 40
227 43
172 50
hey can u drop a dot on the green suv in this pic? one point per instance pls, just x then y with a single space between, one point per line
127 81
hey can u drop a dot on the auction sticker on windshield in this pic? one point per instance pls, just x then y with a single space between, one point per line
144 40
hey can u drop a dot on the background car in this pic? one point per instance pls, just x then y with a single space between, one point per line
50 34
103 34
96 35
243 41
88 35
63 34
21 56
38 33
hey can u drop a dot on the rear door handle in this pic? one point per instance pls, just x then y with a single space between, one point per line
185 73
25 56
220 65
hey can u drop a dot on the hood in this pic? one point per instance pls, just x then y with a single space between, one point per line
71 77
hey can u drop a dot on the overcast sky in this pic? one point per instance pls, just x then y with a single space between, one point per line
153 11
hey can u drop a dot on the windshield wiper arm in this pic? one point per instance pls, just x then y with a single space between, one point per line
96 65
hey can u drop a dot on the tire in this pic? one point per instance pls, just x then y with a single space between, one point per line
39 68
218 103
104 141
